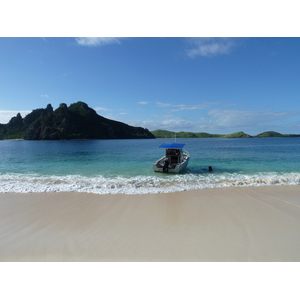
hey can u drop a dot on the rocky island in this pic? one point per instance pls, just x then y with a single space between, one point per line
78 121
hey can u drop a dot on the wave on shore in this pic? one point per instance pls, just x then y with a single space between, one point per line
30 183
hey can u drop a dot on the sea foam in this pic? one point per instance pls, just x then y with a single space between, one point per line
32 183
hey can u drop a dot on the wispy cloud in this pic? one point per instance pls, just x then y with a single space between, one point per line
143 102
45 96
189 107
101 109
243 118
176 124
180 107
219 103
97 41
160 104
209 46
226 121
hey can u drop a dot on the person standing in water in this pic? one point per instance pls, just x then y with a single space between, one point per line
166 165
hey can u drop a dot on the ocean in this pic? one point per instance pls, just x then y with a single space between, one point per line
125 166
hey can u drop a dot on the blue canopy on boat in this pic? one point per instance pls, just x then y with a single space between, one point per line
172 146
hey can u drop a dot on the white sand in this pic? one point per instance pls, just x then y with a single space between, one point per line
225 224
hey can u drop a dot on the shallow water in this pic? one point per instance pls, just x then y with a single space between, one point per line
125 166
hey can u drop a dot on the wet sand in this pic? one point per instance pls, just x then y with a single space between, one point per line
224 224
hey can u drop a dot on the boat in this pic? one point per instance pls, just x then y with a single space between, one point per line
175 159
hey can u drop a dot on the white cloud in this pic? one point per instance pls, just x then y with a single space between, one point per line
180 107
189 107
143 102
226 121
160 104
246 118
209 46
218 103
6 115
97 41
101 109
45 96
176 124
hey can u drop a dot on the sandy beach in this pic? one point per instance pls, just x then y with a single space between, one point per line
225 224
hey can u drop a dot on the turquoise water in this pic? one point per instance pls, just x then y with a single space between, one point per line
125 166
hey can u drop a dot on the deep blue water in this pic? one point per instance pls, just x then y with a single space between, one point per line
125 166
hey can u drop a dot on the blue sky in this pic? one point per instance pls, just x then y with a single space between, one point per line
215 85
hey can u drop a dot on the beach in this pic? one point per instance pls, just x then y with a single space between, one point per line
232 224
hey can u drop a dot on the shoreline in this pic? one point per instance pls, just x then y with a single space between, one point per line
139 185
258 223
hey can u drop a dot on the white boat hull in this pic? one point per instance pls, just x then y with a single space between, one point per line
173 167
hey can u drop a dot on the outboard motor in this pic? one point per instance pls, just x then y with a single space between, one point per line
166 165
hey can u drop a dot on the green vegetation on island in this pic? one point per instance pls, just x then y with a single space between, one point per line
78 121
182 134
275 134
239 134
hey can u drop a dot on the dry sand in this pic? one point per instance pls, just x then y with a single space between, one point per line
225 224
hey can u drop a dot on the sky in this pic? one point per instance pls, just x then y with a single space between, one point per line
197 84
167 71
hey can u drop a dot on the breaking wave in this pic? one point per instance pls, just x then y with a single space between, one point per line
30 183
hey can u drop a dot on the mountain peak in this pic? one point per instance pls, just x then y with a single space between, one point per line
78 121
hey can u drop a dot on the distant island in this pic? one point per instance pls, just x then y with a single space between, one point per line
78 121
182 134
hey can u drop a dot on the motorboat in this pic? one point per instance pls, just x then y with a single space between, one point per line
175 159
